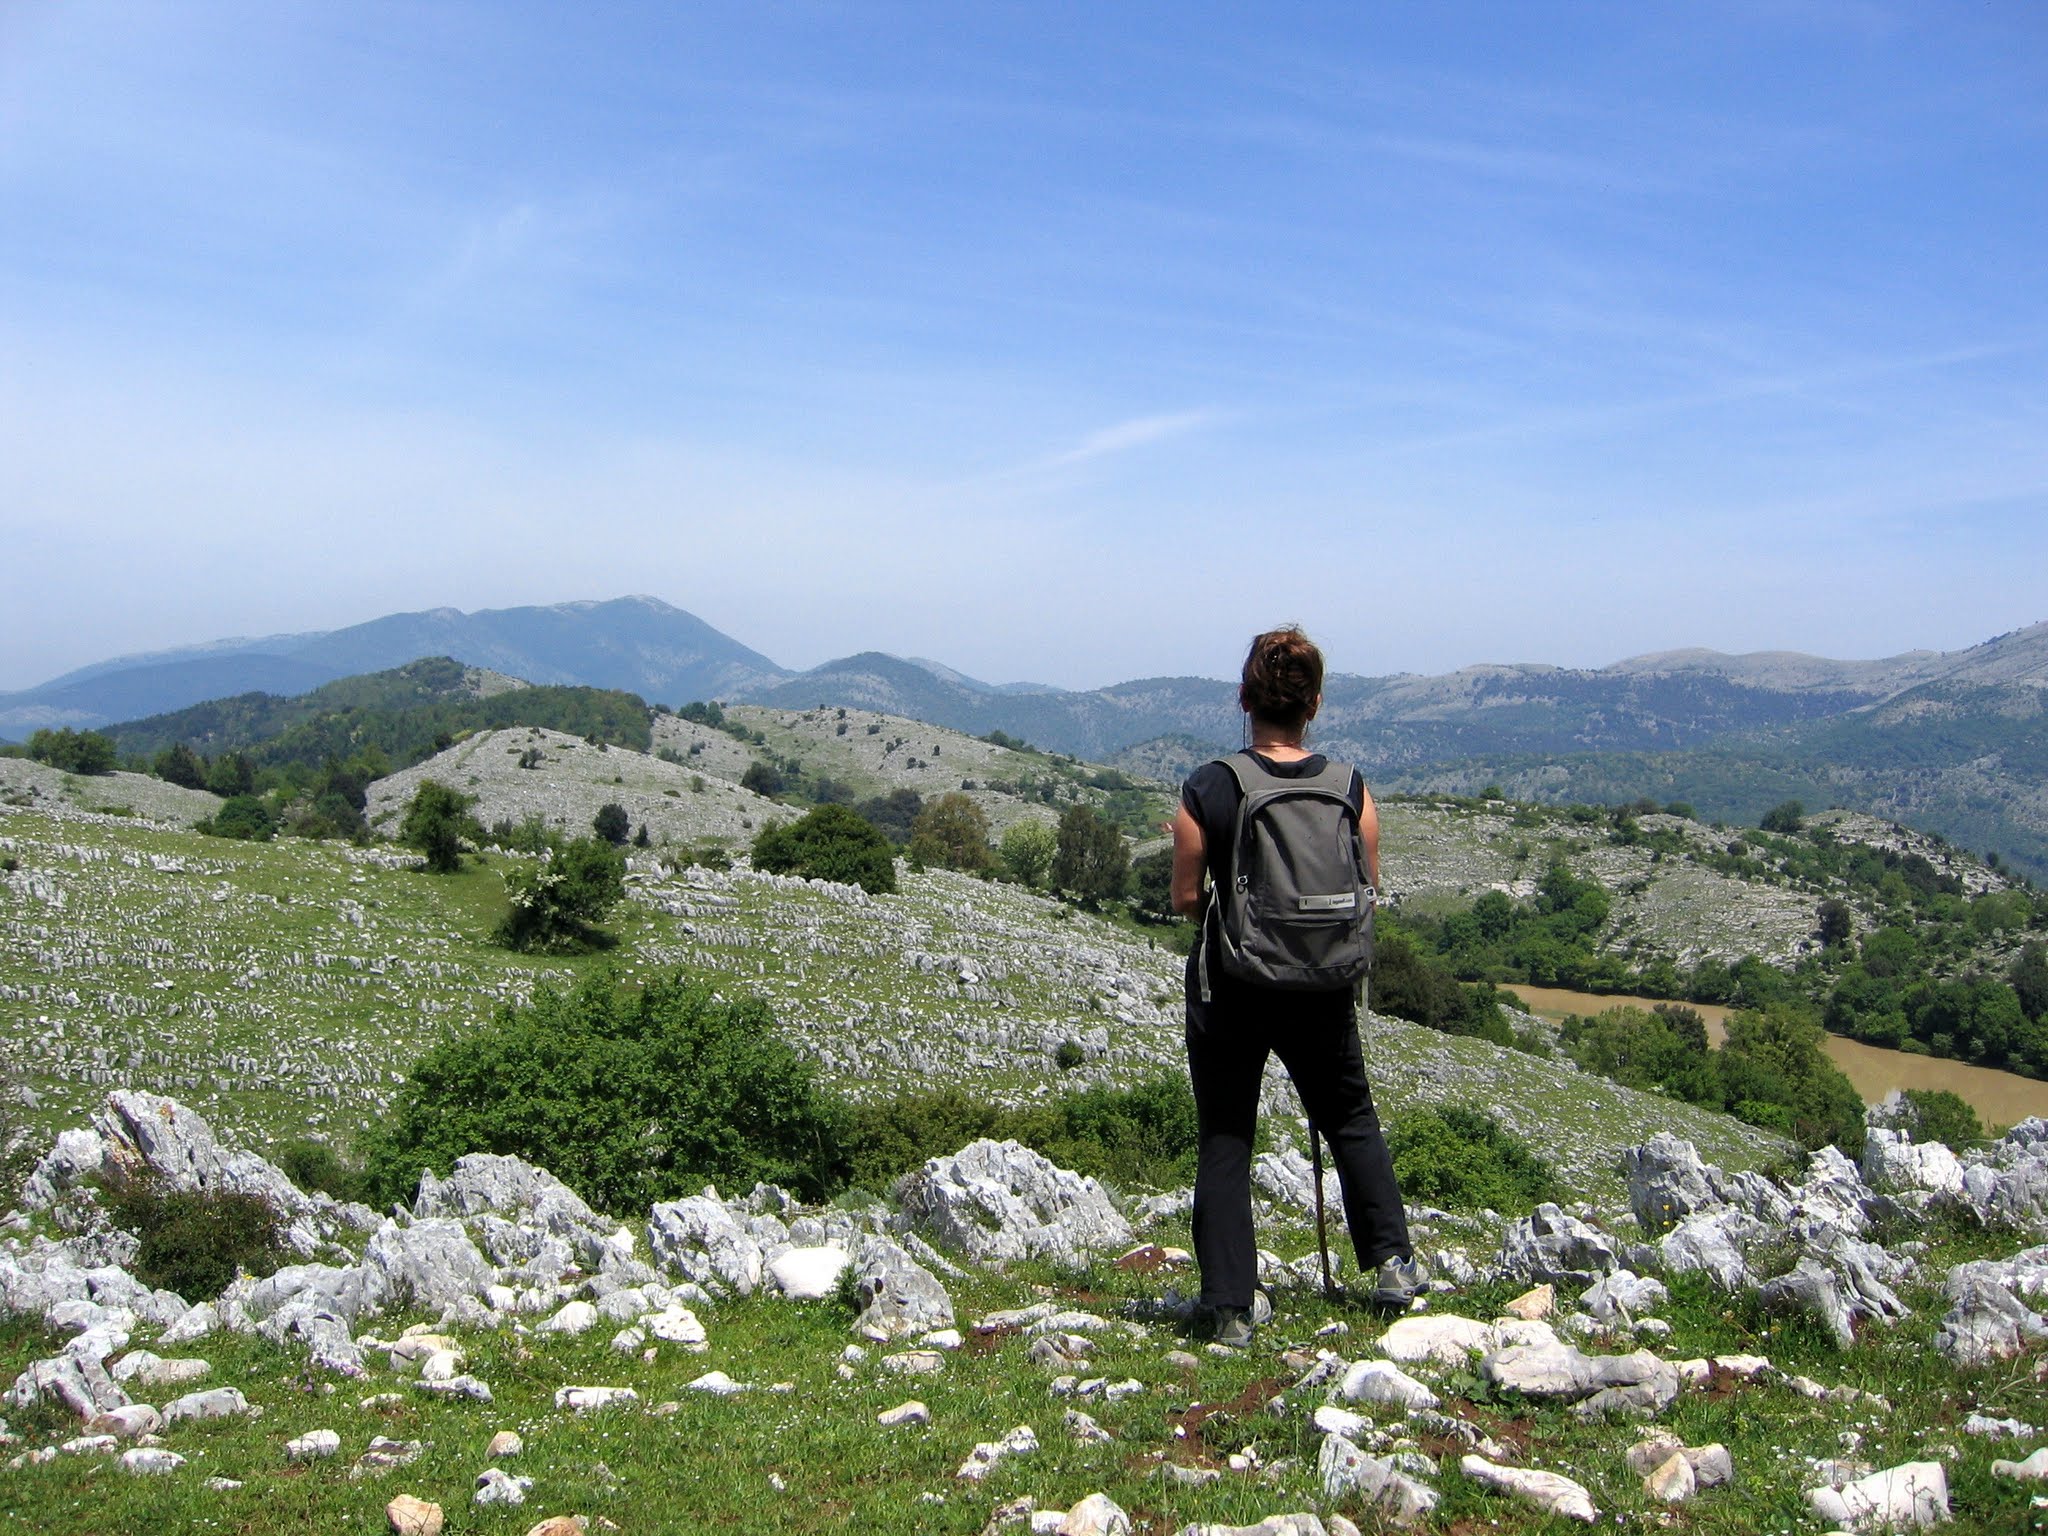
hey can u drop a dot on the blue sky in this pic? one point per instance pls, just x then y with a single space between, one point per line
1058 342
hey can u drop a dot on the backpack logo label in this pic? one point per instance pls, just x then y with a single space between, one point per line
1348 902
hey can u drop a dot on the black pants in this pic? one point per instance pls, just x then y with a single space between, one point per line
1316 1038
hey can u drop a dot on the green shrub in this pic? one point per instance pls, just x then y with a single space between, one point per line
193 1242
1943 1116
832 842
627 1097
83 752
886 1138
241 816
1069 1055
1453 1156
1141 1136
557 905
318 1169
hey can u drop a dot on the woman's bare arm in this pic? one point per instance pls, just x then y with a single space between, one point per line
1189 851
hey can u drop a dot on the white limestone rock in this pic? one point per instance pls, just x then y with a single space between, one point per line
1911 1495
997 1201
1550 1491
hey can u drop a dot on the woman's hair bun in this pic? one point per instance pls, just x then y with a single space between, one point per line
1283 676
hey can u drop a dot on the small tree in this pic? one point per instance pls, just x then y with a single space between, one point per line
557 905
829 843
612 823
1152 883
1836 922
763 779
435 824
1089 857
1027 852
86 752
179 764
952 831
1786 818
231 774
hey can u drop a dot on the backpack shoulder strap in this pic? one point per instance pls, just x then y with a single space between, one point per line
1246 769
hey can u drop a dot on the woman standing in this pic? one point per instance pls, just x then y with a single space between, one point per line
1233 1024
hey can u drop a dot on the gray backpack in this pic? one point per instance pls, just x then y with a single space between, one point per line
1298 914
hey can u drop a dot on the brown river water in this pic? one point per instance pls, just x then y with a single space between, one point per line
2000 1098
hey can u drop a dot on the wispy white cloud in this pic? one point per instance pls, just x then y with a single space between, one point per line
1124 436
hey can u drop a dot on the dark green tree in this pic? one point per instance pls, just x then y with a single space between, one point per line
2029 981
179 764
1836 922
893 814
1786 818
231 774
1090 859
831 842
242 816
86 752
435 824
612 823
763 779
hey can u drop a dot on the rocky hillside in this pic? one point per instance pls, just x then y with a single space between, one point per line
278 987
1002 1346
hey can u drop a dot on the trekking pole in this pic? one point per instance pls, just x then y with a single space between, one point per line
1315 1157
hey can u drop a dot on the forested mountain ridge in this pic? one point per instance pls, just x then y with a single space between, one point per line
1944 740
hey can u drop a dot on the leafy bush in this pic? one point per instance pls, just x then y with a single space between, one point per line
831 842
952 831
1453 1156
315 1167
627 1097
1069 1055
86 752
557 904
1027 852
193 1242
1141 1136
1939 1115
241 816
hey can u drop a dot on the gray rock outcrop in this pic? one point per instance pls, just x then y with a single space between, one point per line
998 1200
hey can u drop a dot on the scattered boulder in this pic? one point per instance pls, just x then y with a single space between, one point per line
1346 1471
409 1516
699 1237
808 1274
2033 1470
981 1461
1549 1245
1667 1182
898 1297
1986 1319
1381 1381
1546 1490
997 1201
1444 1339
1914 1494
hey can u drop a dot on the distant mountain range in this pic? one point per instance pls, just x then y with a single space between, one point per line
1955 742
